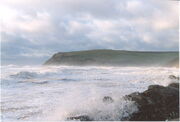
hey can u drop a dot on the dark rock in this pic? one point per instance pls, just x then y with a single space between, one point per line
173 77
158 103
175 85
107 99
80 118
177 119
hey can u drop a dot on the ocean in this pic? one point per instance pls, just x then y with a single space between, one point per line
54 93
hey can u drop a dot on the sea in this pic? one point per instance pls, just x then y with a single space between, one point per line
55 93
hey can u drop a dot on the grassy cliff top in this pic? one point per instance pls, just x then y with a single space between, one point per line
114 58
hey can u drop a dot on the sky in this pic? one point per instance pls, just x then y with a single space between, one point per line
33 30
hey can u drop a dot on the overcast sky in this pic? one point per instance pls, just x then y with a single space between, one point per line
33 30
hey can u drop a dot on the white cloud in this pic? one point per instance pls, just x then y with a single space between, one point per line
26 23
39 23
134 5
66 25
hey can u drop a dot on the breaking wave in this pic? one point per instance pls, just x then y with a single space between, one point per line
57 93
25 75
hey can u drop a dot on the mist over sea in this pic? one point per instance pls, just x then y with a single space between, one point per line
56 92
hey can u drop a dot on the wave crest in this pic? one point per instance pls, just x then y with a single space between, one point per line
24 75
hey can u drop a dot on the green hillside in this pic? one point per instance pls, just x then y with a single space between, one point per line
114 58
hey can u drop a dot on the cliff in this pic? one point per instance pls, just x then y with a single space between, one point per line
115 58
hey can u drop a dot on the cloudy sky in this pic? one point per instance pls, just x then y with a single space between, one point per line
33 30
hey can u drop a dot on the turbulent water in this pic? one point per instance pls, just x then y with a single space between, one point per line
56 93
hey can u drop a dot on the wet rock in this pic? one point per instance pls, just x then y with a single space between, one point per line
173 77
80 118
175 85
158 103
177 119
107 99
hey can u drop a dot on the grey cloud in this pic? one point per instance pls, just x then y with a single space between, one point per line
67 25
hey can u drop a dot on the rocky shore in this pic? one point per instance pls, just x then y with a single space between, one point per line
157 103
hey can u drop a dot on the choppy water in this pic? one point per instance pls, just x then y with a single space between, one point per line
55 93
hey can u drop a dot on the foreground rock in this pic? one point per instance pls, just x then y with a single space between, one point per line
80 118
158 103
173 77
107 99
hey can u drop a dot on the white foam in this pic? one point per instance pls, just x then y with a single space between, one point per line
55 93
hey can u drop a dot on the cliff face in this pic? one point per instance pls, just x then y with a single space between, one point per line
114 58
174 63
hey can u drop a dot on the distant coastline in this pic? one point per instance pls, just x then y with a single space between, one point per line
106 57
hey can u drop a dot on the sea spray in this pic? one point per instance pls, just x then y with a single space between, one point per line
56 93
